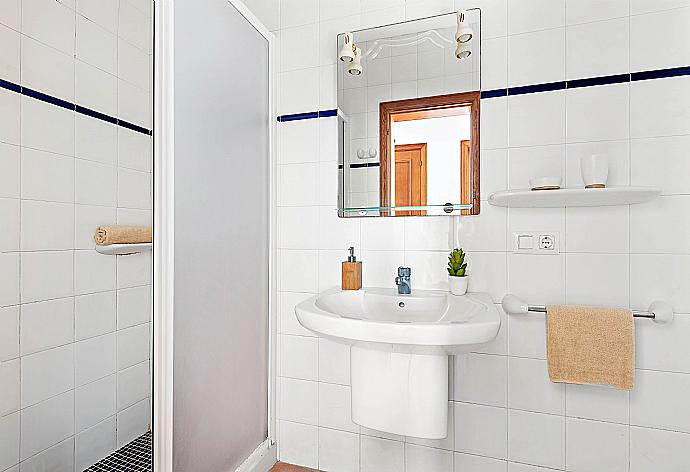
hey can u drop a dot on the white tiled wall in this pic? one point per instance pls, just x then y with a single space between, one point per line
74 324
507 416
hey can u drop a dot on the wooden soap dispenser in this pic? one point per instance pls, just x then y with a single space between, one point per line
352 272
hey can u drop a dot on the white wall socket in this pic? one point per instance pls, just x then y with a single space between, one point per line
536 242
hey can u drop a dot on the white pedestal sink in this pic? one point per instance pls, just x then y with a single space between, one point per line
400 348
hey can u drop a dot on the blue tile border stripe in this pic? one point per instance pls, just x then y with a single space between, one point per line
299 116
365 164
660 73
548 87
308 115
537 88
485 94
95 114
11 86
48 98
133 127
494 93
594 81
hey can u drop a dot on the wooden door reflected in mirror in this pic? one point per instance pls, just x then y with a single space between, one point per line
429 150
410 178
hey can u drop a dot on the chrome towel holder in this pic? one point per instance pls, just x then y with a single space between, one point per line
659 312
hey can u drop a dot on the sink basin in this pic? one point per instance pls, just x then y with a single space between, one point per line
400 347
421 321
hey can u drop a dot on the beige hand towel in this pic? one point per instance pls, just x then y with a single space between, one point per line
588 345
123 234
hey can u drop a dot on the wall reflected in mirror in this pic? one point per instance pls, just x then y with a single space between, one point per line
421 75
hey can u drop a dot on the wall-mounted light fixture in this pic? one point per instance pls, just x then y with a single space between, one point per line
353 55
463 51
464 32
356 64
347 52
463 36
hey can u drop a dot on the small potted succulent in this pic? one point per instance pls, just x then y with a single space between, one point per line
457 272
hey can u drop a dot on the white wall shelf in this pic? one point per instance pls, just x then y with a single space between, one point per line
123 249
573 197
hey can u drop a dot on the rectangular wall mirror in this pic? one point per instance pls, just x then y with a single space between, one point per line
408 118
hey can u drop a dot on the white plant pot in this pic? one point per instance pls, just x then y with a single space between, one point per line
458 285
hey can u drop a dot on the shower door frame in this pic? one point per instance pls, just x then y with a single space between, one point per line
164 244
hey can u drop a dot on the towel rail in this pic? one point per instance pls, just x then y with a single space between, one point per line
659 312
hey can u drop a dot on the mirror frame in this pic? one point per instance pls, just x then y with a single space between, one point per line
438 102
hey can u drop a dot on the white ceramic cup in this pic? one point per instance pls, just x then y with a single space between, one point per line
595 170
545 183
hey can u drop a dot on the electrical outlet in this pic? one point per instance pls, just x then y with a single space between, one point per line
535 242
547 242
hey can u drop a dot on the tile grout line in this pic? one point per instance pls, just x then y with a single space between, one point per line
74 255
563 241
117 206
19 344
628 211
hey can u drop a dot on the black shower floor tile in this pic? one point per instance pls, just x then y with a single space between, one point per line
133 457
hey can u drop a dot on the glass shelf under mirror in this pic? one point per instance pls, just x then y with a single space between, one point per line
422 210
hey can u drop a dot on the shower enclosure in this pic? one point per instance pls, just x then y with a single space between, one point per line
80 330
75 153
214 299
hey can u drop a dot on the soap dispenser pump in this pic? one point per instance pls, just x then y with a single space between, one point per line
352 272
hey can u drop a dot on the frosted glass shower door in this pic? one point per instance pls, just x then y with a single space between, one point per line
222 236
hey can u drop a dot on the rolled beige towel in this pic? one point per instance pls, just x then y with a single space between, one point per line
123 235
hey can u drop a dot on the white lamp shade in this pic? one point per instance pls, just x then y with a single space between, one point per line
347 53
464 33
463 51
356 64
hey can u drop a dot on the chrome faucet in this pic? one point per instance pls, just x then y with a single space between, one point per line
403 280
